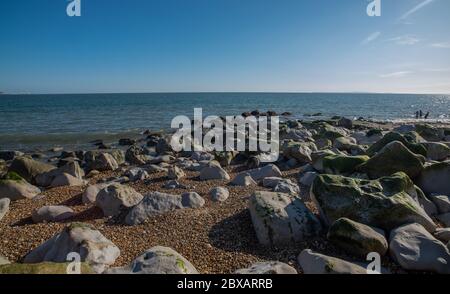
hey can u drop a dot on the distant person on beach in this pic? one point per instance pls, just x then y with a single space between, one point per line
427 115
420 113
417 114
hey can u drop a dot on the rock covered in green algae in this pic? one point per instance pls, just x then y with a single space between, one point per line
43 268
394 157
394 136
357 238
325 130
341 164
385 203
281 219
317 159
14 187
28 168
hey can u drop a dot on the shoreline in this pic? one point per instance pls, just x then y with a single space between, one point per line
42 143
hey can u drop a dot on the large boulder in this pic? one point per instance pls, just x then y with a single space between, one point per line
258 174
435 179
394 136
325 130
416 249
213 171
15 187
385 203
319 264
115 198
345 143
28 168
52 214
66 180
356 238
4 207
430 133
267 268
317 159
104 162
93 247
71 168
157 203
281 219
157 260
437 151
394 157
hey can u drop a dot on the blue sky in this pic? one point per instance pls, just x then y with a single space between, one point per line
224 45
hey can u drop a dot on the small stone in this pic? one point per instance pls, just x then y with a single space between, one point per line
175 173
219 194
213 172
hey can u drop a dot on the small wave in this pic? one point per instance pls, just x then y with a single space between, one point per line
412 121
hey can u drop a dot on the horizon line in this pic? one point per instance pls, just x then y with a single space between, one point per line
229 92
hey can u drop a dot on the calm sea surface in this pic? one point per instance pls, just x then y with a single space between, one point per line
40 121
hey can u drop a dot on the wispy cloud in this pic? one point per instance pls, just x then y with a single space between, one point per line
397 74
437 69
415 9
372 37
405 40
445 45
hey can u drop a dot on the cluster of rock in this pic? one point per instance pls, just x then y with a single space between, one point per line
382 191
